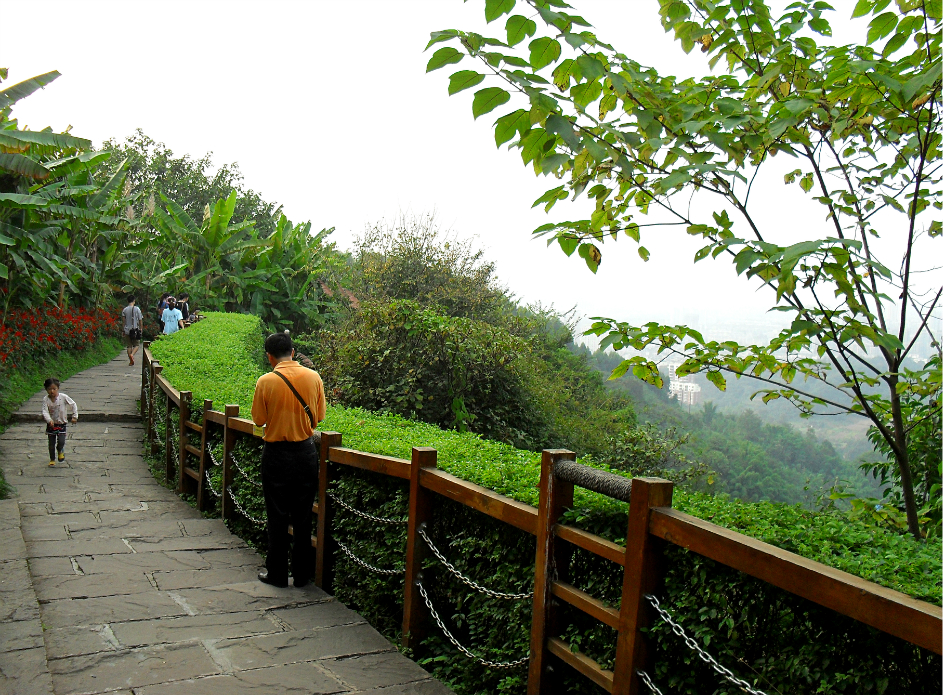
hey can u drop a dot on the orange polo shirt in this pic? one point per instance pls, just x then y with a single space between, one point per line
275 406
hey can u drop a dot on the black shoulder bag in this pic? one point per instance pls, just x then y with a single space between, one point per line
298 396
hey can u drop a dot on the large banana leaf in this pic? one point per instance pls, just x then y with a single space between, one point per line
13 94
106 196
23 201
77 162
40 142
23 166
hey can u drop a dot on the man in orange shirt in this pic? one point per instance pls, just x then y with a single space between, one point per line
288 403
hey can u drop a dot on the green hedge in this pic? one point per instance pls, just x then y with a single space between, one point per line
763 634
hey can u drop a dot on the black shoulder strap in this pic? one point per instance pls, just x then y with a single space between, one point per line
297 395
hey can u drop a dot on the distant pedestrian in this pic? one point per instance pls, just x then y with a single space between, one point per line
172 318
133 323
183 303
289 403
55 414
161 305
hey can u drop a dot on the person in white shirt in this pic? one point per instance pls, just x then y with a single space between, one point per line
133 322
55 414
172 317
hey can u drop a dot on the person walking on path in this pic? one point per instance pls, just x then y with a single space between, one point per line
133 323
55 415
172 318
289 403
162 304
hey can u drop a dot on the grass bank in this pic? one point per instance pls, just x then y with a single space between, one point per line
18 385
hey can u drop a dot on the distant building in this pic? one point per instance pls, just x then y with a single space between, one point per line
683 387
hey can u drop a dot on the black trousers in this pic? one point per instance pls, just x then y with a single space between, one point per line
289 483
56 434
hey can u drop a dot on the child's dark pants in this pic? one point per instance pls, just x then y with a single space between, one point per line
289 483
56 435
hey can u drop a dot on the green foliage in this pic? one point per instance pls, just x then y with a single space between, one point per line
862 122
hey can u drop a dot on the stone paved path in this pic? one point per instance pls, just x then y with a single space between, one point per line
111 583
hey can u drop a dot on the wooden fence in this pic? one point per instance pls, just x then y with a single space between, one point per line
652 523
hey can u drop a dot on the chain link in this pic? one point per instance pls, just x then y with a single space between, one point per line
243 473
470 582
363 564
463 650
209 483
209 450
695 647
257 522
648 681
378 519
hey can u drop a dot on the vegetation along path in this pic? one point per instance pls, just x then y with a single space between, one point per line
111 583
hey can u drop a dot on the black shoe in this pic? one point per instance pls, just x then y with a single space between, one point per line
265 579
301 583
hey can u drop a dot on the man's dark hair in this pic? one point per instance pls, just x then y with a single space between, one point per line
279 345
130 298
184 296
49 382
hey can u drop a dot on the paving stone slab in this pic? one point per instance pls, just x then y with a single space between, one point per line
67 642
9 515
72 548
194 627
138 562
229 557
134 668
294 679
90 585
50 566
428 687
318 615
16 635
12 546
92 611
301 645
249 596
367 671
24 672
174 580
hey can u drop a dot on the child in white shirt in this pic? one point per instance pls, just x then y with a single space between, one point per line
55 414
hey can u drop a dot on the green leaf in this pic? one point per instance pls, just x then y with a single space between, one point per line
4 273
496 8
11 95
440 36
488 99
717 379
862 8
881 26
23 166
643 253
463 79
442 57
507 126
543 51
519 28
568 243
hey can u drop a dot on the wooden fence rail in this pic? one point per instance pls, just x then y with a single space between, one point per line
652 523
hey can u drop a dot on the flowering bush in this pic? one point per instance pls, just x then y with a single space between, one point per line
45 330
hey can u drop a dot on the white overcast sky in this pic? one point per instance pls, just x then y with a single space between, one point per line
327 109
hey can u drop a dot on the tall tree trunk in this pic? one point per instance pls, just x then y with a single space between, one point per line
903 462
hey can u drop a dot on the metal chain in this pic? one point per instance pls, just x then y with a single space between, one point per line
463 650
470 582
257 522
363 564
378 519
648 681
695 647
243 473
209 483
209 450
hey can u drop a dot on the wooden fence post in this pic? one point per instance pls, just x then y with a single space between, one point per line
145 370
325 550
642 574
168 454
186 397
420 513
151 438
201 483
229 441
556 496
